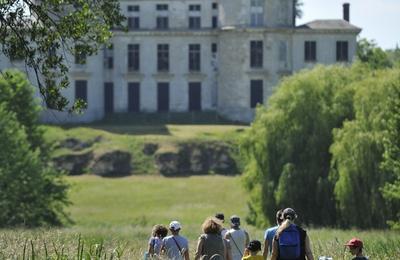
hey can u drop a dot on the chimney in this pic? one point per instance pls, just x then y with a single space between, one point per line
346 12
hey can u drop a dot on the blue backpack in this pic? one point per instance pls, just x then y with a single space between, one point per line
289 243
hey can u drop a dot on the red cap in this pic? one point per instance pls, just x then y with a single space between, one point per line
355 242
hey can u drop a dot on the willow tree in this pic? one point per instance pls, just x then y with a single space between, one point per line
287 147
358 153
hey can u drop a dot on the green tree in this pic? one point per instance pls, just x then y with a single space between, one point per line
370 54
391 163
17 95
287 147
31 194
44 33
357 154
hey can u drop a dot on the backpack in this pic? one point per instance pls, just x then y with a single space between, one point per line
289 243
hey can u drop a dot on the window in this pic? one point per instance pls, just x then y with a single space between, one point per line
195 8
214 21
282 51
342 51
108 57
310 51
162 7
194 16
214 6
163 96
108 97
133 23
133 97
133 8
256 93
133 57
194 96
194 22
81 90
163 57
256 13
214 48
162 21
80 56
194 57
256 54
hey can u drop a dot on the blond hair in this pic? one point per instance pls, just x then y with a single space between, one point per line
211 226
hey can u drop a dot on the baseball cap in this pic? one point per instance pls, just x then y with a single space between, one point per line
289 213
354 242
254 245
175 225
235 220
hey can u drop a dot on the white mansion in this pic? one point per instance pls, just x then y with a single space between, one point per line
202 55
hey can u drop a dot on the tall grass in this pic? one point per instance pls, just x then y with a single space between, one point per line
113 220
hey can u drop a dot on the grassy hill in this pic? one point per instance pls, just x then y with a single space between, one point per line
133 137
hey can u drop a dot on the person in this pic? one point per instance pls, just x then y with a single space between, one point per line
210 243
270 233
221 217
250 253
356 246
175 246
238 238
155 242
291 241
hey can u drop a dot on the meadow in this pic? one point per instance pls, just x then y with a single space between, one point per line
113 220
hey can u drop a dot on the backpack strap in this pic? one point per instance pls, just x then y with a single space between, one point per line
176 242
241 254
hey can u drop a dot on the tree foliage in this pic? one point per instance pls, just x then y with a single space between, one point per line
319 146
287 148
17 94
46 33
373 56
31 192
358 150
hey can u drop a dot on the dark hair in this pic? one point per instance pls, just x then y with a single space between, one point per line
159 231
254 246
220 216
279 216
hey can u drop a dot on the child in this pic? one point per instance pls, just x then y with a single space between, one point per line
157 235
356 245
250 253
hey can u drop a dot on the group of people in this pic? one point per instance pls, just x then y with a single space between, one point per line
284 241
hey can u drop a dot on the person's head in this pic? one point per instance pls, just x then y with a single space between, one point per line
279 217
159 231
355 246
289 214
235 221
175 227
220 216
212 226
254 246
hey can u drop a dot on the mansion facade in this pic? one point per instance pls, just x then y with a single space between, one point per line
202 55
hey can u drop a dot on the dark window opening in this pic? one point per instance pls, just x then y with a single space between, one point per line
256 93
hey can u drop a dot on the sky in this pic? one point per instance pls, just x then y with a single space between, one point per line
378 19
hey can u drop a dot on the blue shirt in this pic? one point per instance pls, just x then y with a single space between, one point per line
269 235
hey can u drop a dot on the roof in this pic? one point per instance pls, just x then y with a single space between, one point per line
329 25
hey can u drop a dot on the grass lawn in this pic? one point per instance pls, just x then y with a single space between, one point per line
117 215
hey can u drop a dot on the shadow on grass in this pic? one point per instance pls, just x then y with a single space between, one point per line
152 123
